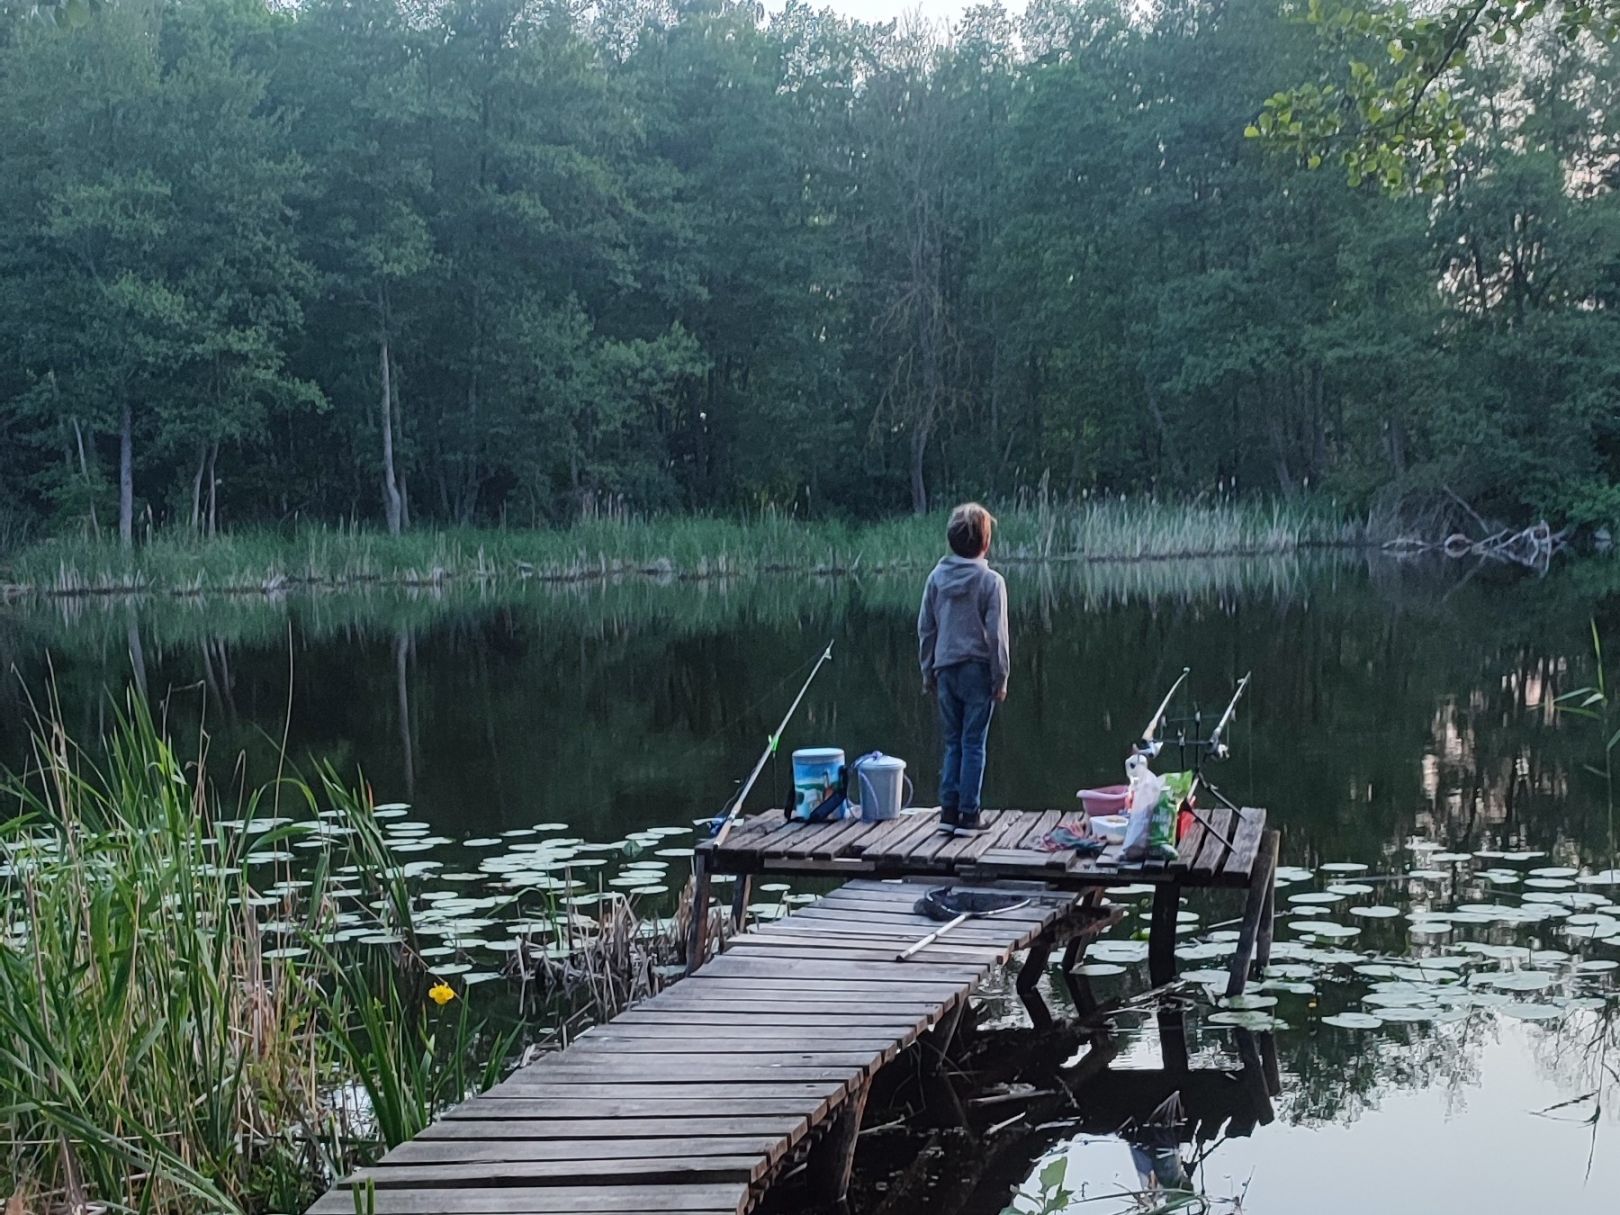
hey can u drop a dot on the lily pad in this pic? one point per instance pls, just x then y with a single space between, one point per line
1336 931
1532 1012
1353 1020
1379 912
1245 1019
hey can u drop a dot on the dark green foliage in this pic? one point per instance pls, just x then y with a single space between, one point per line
488 261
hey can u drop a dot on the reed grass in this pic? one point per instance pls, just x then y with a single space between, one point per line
1034 528
155 1054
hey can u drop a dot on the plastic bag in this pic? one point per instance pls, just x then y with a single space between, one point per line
1151 826
1147 791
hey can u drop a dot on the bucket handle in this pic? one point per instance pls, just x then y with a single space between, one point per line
866 787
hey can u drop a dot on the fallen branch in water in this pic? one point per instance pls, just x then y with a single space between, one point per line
1532 547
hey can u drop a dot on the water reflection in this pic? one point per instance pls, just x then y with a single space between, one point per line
1400 723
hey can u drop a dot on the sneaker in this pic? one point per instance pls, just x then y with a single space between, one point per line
948 820
967 823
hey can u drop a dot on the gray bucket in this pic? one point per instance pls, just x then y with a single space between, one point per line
883 787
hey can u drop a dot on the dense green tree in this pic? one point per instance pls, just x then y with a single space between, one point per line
476 260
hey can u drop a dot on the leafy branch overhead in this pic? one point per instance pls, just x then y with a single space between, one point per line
1385 109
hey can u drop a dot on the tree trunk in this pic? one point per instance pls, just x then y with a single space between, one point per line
196 487
84 472
213 494
391 498
126 477
919 485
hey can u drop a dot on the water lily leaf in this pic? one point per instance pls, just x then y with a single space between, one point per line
1245 1019
1532 1012
1354 1020
1248 1003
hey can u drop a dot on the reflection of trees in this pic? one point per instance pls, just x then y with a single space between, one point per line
1387 698
1336 1077
1582 1056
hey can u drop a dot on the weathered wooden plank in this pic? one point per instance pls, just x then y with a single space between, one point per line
884 836
1010 825
681 1140
1035 831
527 1083
972 948
746 1168
718 1042
544 1118
896 846
972 931
801 839
543 1200
921 986
866 904
1213 852
760 1000
700 1025
733 966
1188 846
943 951
674 1069
1251 826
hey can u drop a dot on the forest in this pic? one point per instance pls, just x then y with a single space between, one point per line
449 262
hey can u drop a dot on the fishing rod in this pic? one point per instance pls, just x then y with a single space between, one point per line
723 825
1150 744
1217 748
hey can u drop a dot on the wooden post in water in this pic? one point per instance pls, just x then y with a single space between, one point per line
1262 879
1268 915
1162 933
697 936
739 900
832 1160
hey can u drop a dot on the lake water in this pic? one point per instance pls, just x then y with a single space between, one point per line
1400 719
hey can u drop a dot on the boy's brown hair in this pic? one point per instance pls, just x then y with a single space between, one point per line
969 530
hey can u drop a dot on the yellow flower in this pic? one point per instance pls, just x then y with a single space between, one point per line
441 993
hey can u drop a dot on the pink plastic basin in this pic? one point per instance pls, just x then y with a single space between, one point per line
1110 799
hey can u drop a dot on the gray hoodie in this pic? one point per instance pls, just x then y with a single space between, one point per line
963 618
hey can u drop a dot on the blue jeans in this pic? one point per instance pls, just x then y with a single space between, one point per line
965 706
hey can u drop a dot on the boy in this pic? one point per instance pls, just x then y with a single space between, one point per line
962 646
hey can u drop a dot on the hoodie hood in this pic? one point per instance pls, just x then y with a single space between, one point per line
956 576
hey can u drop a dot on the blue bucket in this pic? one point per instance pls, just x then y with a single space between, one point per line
817 771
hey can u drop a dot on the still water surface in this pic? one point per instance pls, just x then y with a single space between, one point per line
1399 714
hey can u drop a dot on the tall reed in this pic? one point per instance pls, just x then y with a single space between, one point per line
1035 528
156 1053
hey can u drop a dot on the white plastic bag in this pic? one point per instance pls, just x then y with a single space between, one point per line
1146 790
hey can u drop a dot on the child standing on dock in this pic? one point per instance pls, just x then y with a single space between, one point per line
962 646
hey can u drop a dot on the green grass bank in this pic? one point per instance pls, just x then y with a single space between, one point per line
685 547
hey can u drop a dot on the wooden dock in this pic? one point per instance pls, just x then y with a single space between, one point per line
697 1099
1225 847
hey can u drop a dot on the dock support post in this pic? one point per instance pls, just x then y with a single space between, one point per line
942 1038
1040 952
739 900
833 1159
697 936
1162 933
1261 879
1268 914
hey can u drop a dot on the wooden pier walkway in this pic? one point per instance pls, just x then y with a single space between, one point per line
695 1100
1225 847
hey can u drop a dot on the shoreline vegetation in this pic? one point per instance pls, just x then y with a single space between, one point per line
678 548
220 999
